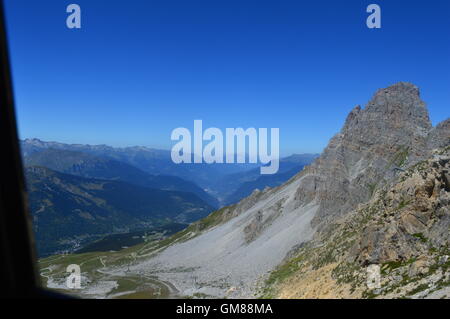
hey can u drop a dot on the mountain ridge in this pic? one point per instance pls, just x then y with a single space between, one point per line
154 168
150 160
87 165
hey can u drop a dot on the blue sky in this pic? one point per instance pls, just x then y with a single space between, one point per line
138 69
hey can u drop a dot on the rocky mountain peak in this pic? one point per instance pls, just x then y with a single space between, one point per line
394 115
392 131
400 88
401 101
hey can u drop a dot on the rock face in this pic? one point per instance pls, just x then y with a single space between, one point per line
391 131
416 215
404 230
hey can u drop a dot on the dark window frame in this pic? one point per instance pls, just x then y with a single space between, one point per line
19 276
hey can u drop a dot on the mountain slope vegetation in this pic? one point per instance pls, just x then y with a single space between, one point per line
68 209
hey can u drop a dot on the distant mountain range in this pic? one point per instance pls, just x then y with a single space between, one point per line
87 165
218 184
149 160
80 192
